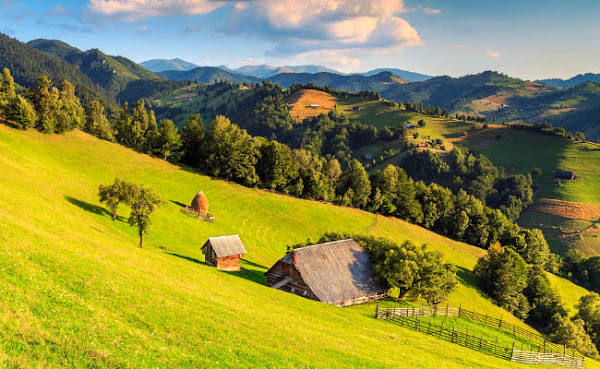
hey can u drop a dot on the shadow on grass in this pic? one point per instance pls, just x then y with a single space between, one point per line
257 276
182 205
193 260
95 209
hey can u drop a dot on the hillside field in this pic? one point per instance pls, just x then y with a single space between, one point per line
77 292
521 151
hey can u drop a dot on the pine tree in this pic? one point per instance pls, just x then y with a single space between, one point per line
168 141
192 137
96 122
21 112
71 114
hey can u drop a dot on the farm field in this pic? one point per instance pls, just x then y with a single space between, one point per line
520 152
302 100
77 292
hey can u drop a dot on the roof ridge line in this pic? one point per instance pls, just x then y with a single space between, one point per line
325 243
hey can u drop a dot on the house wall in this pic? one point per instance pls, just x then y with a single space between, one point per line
296 286
210 257
229 263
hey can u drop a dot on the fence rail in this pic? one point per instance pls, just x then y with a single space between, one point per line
547 353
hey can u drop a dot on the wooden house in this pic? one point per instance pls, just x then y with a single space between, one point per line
224 252
564 174
337 273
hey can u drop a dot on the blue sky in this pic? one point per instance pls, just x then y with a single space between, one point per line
525 38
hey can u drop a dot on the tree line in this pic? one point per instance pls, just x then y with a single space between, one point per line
477 175
525 291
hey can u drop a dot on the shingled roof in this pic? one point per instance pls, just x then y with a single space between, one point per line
335 271
226 245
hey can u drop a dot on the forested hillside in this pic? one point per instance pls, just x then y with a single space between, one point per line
111 72
27 64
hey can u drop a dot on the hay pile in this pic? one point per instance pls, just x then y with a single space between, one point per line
200 204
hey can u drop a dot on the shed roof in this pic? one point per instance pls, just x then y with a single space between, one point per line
226 245
335 271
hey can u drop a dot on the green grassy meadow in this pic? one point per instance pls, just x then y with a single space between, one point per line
76 291
521 151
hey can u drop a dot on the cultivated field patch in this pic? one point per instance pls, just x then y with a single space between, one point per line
301 102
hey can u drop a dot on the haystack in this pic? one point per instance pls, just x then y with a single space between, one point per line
200 204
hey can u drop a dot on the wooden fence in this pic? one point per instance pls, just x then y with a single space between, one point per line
542 351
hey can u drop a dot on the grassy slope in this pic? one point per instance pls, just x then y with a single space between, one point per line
521 151
77 292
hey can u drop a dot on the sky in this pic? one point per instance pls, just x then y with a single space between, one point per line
529 39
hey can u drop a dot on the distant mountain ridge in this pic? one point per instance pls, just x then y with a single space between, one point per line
404 74
162 65
571 82
111 72
208 75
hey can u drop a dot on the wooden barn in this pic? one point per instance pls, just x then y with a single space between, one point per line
224 252
564 174
337 273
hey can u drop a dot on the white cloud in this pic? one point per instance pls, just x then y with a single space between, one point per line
140 9
350 27
493 54
346 28
431 11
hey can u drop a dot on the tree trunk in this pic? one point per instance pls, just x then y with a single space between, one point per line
141 241
114 216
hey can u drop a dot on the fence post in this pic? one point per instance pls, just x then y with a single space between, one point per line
429 327
447 308
544 344
496 346
459 309
480 341
500 323
452 337
413 312
512 351
377 312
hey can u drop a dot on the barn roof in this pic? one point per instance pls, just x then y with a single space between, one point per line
335 271
226 245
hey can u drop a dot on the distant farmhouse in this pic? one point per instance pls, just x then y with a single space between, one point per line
410 125
224 252
337 273
564 174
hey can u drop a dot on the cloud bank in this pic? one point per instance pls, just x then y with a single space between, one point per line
325 30
131 10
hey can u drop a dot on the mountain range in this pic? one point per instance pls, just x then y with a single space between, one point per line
572 82
161 65
264 71
97 75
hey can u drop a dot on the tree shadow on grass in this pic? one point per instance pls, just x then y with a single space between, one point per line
91 207
257 276
467 278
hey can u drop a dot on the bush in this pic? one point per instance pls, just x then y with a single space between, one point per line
536 172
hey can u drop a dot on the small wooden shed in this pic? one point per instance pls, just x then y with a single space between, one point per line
224 252
337 273
564 174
